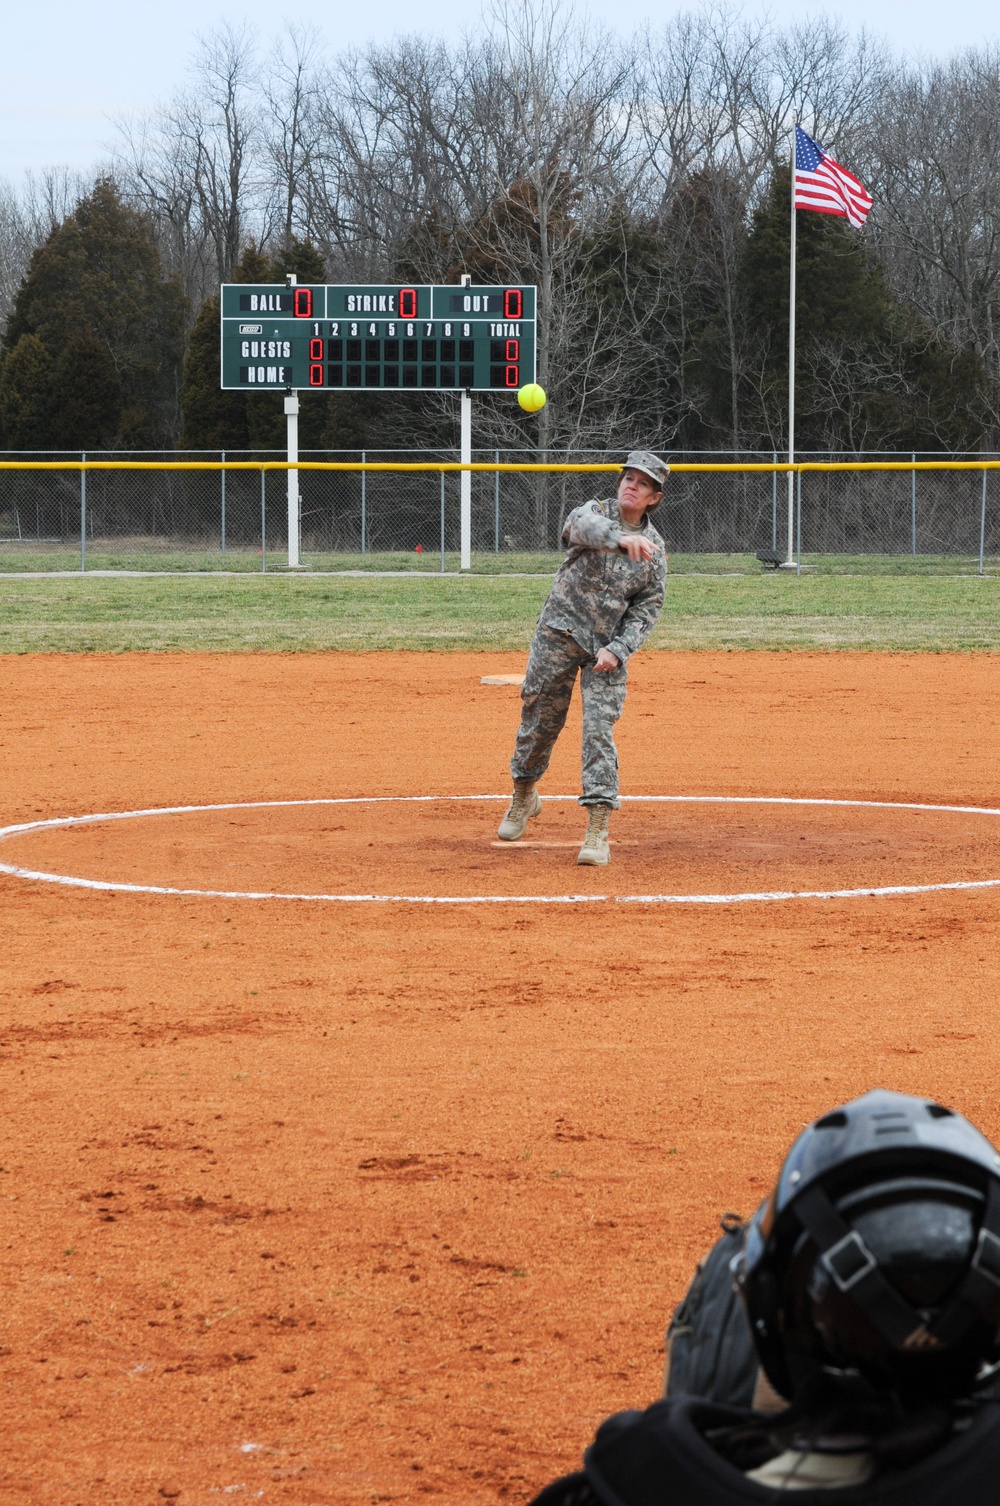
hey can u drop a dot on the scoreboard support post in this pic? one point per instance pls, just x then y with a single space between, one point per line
292 441
465 509
292 446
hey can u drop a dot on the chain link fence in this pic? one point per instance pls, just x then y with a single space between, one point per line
214 519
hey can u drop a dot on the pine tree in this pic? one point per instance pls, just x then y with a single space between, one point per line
869 374
840 289
88 407
97 300
214 419
25 396
300 257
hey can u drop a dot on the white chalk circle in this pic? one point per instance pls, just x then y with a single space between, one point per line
8 833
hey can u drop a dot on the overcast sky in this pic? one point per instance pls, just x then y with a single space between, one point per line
68 68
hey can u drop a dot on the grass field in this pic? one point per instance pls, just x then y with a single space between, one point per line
275 612
153 555
171 557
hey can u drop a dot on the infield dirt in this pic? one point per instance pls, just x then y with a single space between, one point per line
322 1203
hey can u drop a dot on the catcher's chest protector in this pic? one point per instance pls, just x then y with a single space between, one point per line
662 1458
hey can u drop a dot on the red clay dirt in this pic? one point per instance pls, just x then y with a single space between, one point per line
317 1202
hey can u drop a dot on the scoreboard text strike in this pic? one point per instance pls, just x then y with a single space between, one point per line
372 338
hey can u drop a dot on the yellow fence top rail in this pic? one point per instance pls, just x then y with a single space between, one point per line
800 467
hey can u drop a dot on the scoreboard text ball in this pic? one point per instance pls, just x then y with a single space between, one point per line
328 337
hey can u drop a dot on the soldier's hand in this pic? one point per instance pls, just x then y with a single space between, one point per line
638 547
605 661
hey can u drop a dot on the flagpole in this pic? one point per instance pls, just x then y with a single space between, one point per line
790 561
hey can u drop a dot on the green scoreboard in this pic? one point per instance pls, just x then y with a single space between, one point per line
375 338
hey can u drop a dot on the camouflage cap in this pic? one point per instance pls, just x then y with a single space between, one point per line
650 465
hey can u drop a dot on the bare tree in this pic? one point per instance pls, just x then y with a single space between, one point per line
620 175
937 181
415 143
571 101
195 165
291 85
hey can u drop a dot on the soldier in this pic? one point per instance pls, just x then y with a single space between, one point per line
605 599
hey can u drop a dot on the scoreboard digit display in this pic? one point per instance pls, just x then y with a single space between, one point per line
331 337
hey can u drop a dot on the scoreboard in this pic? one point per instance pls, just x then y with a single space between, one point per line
379 337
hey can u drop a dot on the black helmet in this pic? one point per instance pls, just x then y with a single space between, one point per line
879 1251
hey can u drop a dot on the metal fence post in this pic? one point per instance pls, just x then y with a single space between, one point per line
496 505
83 511
798 524
442 522
222 531
774 502
263 520
913 505
982 525
364 504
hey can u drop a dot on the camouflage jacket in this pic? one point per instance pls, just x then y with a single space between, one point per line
599 596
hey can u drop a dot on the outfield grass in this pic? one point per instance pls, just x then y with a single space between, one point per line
140 554
152 555
86 614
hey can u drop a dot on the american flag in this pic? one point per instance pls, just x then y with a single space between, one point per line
823 185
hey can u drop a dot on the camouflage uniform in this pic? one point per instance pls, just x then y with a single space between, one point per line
599 599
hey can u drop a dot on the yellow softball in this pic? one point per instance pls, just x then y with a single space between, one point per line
531 397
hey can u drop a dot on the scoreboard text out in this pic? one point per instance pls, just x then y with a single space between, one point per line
330 337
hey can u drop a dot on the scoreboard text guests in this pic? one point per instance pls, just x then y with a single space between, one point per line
329 337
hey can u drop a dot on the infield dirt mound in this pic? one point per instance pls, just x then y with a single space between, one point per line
314 1203
446 847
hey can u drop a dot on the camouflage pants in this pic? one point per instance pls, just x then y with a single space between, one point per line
555 660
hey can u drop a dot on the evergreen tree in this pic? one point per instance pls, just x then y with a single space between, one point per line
211 418
25 396
704 324
869 374
88 402
614 325
214 419
300 257
372 420
840 289
111 326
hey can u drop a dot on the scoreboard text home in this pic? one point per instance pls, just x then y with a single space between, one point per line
368 338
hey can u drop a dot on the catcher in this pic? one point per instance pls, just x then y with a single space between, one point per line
869 1290
605 599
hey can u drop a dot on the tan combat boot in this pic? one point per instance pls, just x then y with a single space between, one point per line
525 803
595 850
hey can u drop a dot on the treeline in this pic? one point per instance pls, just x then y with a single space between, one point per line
642 184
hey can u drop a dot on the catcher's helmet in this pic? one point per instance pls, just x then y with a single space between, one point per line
879 1251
